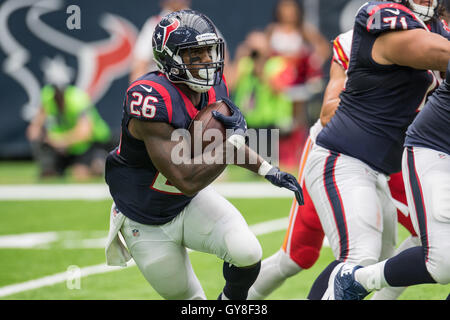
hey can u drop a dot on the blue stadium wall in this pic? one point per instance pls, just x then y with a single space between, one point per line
34 33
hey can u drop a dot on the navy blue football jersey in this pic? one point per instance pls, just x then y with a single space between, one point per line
379 101
431 128
141 192
439 26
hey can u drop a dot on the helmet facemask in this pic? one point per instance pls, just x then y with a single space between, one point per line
425 13
206 74
200 76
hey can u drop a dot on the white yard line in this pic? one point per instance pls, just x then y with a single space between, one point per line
258 229
101 192
56 278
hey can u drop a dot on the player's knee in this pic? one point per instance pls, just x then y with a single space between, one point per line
306 243
243 250
438 265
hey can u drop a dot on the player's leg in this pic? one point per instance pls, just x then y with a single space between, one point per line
428 172
300 250
274 271
304 236
427 182
162 259
397 188
392 293
301 245
213 225
344 193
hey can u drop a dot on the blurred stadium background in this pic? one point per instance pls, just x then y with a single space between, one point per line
53 230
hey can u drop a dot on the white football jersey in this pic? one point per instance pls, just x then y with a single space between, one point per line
342 46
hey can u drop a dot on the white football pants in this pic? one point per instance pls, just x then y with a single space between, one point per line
426 174
208 224
354 205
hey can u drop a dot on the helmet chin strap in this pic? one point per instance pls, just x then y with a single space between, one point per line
423 12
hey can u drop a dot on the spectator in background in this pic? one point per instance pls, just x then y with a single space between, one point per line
143 54
291 36
304 50
68 132
256 85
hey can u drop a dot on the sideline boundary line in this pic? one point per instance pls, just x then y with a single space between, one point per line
101 191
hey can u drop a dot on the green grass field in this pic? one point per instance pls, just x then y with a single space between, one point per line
91 217
79 224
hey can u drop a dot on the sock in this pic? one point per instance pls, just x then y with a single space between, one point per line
372 276
392 293
320 285
407 268
274 271
239 280
448 297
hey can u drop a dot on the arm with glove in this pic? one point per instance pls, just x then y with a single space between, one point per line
254 162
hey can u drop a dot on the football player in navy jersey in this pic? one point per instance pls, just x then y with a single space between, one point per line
346 172
426 172
161 206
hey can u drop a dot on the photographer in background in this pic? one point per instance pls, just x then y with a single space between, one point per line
67 130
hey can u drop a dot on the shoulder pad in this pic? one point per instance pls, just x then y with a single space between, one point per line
378 17
149 101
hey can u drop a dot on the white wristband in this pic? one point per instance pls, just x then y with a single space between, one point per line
264 168
237 140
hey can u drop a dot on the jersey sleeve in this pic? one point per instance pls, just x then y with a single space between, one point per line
444 30
378 17
342 48
148 101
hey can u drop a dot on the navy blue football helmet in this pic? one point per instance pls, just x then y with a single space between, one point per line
183 31
425 13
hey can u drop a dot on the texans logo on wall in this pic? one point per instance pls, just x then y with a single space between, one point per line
38 47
